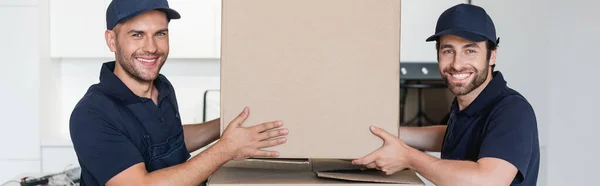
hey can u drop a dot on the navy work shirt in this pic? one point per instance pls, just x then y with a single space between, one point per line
499 123
113 129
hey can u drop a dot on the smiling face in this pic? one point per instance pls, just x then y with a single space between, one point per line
464 64
141 45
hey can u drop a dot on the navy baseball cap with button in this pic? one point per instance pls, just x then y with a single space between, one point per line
122 10
467 21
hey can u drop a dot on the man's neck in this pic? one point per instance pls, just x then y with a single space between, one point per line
465 100
140 88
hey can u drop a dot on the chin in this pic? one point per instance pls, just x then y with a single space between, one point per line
459 90
148 77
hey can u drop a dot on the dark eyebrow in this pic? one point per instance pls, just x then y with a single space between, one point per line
471 45
142 32
135 31
446 46
162 30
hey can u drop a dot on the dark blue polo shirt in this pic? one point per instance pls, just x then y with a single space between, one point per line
113 129
500 123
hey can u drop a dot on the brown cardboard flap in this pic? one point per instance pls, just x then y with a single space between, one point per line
320 165
272 164
226 176
307 165
229 176
403 177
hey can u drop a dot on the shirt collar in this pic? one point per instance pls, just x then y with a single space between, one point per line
115 87
490 93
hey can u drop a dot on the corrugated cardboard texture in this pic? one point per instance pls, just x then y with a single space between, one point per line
228 176
403 177
312 165
327 68
273 164
333 165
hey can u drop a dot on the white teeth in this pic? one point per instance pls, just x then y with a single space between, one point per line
145 60
461 76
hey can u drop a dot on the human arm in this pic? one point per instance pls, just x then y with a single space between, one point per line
199 135
395 156
428 138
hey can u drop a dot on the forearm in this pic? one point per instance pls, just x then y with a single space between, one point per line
424 138
199 135
448 172
192 172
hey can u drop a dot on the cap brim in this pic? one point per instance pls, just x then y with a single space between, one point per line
171 14
468 35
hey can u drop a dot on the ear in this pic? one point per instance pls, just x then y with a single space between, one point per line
493 57
111 40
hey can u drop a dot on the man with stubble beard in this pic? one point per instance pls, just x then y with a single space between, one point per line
491 137
126 130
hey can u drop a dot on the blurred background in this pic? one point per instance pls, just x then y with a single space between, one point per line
52 50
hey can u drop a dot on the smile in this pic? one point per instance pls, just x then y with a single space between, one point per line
462 75
147 60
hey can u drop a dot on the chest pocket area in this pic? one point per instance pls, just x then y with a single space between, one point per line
167 153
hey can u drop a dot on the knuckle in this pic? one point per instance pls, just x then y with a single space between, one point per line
262 126
271 125
265 154
274 133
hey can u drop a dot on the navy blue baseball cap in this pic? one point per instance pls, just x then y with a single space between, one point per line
122 10
467 21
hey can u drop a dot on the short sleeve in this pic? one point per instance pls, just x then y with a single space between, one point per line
511 135
100 146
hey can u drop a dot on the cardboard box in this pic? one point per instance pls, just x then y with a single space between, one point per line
327 68
333 172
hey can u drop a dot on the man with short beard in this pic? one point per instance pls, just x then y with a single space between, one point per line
126 130
491 137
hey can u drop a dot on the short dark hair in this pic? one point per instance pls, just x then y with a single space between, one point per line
490 46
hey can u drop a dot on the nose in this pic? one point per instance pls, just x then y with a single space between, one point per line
150 46
457 62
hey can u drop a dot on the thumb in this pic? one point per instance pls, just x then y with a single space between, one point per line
382 133
239 119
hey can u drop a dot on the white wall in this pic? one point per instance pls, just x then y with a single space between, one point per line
20 91
572 48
